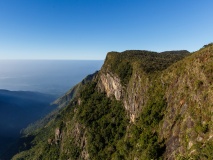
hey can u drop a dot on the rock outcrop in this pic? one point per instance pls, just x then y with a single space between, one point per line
110 84
133 95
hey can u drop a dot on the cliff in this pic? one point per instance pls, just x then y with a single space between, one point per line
140 105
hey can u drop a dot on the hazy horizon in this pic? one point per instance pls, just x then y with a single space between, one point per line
45 76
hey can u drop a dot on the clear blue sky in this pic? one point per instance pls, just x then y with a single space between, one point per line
88 29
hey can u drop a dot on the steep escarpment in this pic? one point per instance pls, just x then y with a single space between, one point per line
127 75
140 105
177 100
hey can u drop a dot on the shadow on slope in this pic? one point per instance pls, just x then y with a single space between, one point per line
17 110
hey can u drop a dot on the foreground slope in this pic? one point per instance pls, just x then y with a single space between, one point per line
141 105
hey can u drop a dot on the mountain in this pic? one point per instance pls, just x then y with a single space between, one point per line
17 110
141 105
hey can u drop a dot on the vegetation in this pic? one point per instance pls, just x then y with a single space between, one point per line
143 141
105 120
122 63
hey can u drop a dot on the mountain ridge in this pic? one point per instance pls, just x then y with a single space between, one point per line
140 105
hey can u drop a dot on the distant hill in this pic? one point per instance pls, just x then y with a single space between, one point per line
17 110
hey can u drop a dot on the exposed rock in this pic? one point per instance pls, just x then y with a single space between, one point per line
50 141
135 92
79 101
79 135
57 135
111 85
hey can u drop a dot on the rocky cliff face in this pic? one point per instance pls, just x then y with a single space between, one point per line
188 92
141 105
133 95
111 84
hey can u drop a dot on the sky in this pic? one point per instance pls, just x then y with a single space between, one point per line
88 29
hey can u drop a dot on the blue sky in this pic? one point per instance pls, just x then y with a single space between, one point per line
88 29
